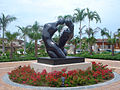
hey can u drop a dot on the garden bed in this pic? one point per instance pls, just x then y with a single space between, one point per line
26 75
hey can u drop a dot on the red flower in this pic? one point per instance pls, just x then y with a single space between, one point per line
66 85
103 77
64 74
38 77
44 72
93 63
64 70
24 82
88 78
9 73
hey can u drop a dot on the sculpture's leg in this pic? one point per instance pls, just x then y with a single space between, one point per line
56 52
52 54
63 39
60 53
64 51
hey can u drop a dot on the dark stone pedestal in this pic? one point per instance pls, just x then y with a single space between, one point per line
58 61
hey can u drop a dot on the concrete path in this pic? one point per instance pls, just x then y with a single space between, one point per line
8 66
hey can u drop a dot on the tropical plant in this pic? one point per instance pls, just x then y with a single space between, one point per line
91 39
92 15
79 16
111 40
84 46
75 42
118 36
4 21
103 33
91 42
90 32
11 37
30 47
66 16
24 31
35 34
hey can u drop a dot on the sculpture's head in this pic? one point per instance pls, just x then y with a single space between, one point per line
61 21
68 21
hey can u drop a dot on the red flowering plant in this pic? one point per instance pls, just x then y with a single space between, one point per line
26 75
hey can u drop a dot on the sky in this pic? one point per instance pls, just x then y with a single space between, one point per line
45 11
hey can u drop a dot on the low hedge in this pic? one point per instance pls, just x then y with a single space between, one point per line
21 57
99 56
18 59
105 56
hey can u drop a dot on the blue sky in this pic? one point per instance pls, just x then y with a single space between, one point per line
44 11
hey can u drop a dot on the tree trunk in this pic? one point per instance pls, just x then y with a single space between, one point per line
3 45
89 25
103 44
80 36
11 51
36 48
90 50
24 45
75 49
89 36
112 50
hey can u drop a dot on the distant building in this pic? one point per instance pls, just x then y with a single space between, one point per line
17 44
106 45
98 46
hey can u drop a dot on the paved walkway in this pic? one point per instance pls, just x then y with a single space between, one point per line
8 66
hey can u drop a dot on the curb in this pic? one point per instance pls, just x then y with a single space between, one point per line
6 79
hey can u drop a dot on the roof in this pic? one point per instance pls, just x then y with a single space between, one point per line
101 40
14 40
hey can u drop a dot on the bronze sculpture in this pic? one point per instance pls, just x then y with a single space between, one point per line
55 50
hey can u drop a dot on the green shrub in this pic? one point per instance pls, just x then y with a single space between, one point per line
106 56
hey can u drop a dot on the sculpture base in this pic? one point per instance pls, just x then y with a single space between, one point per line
58 61
39 67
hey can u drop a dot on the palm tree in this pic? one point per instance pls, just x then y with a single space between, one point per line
24 31
103 33
66 16
111 40
84 46
91 42
75 42
4 21
91 39
30 47
35 34
79 16
92 15
11 38
118 35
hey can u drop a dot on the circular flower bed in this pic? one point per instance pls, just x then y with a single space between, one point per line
26 75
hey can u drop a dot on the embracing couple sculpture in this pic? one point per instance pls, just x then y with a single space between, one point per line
55 50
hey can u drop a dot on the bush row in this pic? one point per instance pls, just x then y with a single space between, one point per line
99 56
20 57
